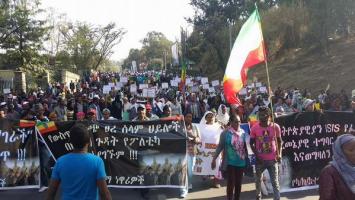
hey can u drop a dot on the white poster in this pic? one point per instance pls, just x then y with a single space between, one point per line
143 86
174 83
151 93
262 89
6 90
204 80
106 89
188 80
111 84
210 139
164 85
123 79
258 84
205 86
133 88
215 83
243 91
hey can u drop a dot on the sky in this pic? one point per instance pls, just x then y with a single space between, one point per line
137 17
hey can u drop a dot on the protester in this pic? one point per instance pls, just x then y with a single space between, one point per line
222 115
210 134
141 116
232 142
149 113
337 180
194 138
80 116
91 115
265 141
80 175
107 115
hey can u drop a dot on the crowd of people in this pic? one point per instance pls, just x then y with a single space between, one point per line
127 99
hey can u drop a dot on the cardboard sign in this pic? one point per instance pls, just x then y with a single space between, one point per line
164 85
215 83
204 80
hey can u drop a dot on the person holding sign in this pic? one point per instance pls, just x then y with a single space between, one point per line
265 141
232 143
81 175
194 138
337 180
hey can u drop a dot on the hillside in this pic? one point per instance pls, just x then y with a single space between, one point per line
307 68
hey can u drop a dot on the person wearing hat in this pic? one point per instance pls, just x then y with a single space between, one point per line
149 113
141 114
107 115
95 105
308 105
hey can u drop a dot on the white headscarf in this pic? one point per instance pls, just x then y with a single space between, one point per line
222 118
203 119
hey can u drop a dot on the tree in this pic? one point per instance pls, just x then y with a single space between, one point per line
23 34
88 45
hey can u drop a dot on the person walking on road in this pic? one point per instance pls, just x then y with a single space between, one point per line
232 142
80 175
265 141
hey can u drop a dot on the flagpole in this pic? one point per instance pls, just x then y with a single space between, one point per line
267 70
278 149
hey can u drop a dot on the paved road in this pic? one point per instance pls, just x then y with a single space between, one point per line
201 191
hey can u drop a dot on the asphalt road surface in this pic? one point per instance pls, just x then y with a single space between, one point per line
202 190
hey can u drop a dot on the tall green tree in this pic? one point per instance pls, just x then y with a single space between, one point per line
23 34
89 46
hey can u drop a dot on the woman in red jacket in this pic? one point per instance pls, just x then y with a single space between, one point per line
337 180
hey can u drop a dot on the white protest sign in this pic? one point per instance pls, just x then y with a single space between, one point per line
207 149
106 89
205 86
258 84
204 80
143 86
174 83
190 84
263 89
133 88
243 91
164 85
6 90
145 92
194 89
111 84
178 80
211 89
123 79
215 83
151 93
188 80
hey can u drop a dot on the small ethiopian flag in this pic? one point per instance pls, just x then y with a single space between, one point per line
248 50
46 127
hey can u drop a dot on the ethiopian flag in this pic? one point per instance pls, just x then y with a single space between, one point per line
248 50
46 127
183 77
